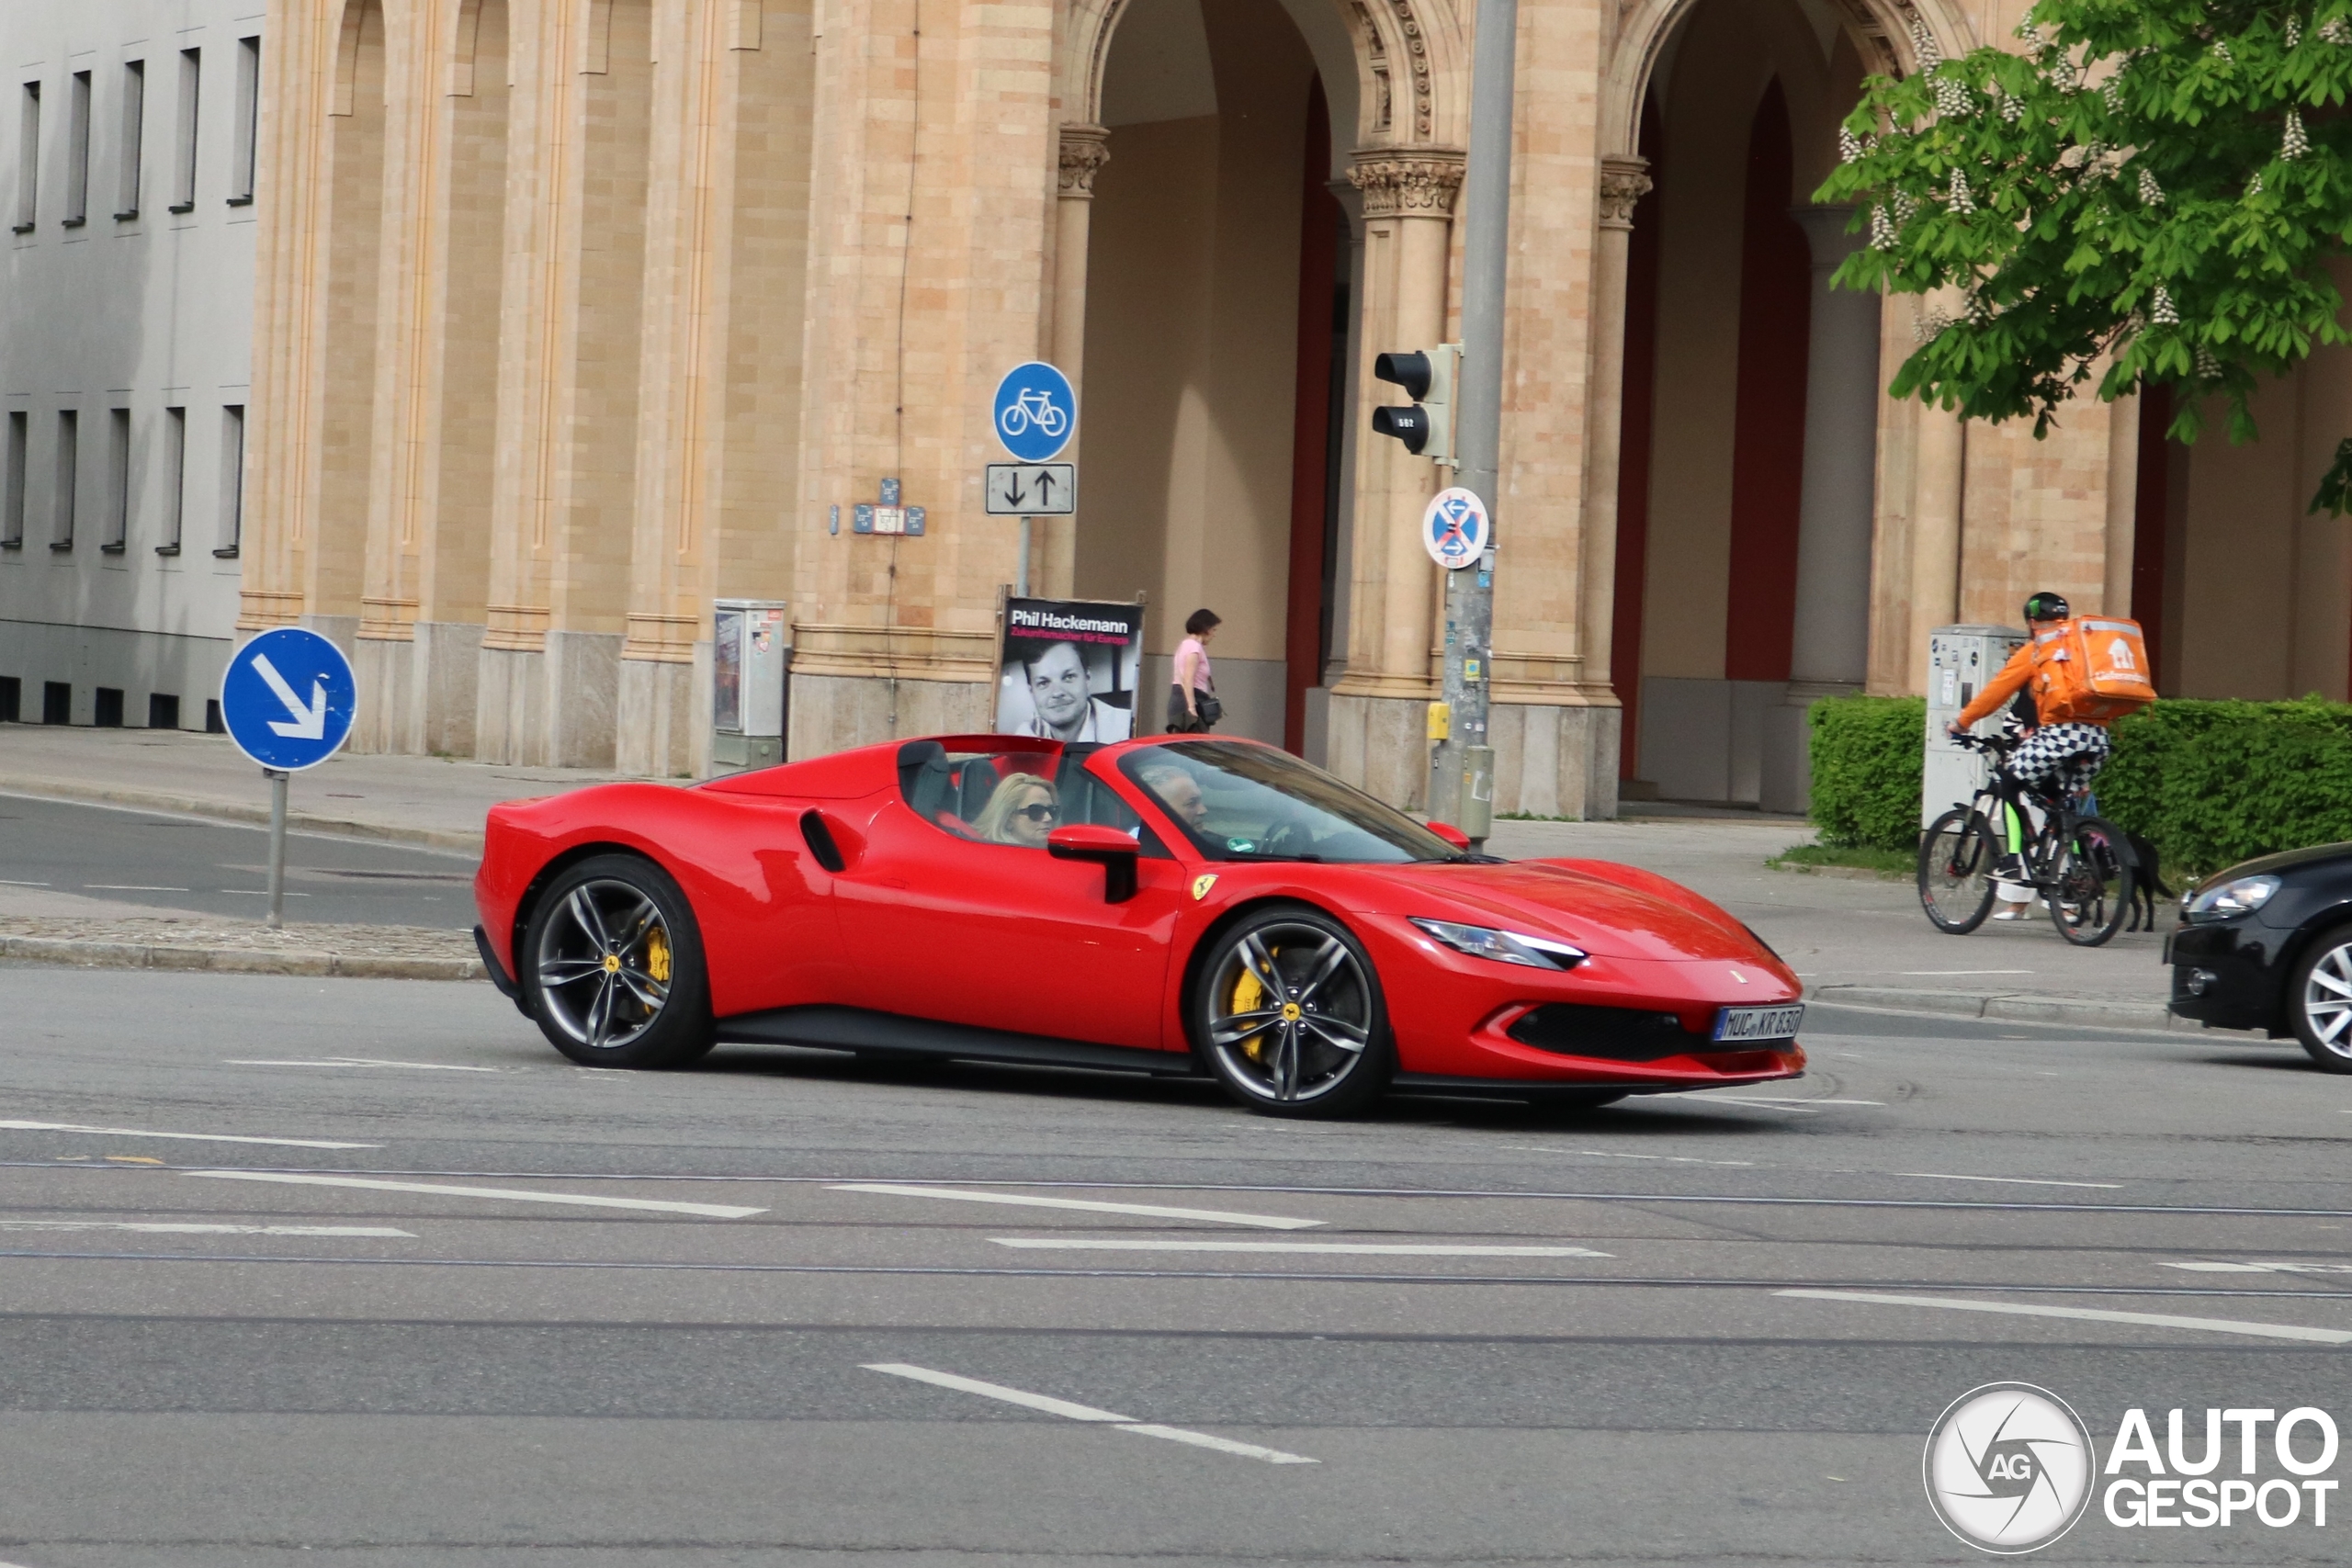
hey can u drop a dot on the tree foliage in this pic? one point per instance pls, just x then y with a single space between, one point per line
2156 186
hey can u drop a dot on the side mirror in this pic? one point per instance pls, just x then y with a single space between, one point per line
1114 851
1451 834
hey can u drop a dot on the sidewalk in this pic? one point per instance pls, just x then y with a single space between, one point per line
417 800
1862 943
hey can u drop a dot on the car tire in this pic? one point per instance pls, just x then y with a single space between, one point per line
612 967
1324 1047
2322 979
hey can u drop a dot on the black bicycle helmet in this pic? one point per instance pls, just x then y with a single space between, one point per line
2047 606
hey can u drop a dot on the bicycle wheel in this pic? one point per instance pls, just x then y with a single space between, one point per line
1956 857
2090 885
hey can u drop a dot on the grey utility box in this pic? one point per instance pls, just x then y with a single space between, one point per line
1961 660
750 654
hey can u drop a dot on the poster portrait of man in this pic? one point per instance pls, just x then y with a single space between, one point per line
1069 671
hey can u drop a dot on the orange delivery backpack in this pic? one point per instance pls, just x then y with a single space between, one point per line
2091 669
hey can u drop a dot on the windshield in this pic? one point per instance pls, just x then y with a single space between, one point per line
1238 802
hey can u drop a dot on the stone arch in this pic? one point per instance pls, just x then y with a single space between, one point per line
1406 61
1881 30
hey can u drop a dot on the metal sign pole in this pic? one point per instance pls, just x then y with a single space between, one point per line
1464 770
276 848
1021 575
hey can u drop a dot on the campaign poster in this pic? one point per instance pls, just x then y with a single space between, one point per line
1069 669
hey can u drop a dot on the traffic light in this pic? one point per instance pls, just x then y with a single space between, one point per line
1427 427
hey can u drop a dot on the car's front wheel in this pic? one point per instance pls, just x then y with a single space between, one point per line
1286 1011
612 966
2319 1000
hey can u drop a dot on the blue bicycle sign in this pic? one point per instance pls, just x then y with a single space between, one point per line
1037 412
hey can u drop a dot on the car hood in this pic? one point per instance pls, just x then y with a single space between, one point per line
2286 860
1600 909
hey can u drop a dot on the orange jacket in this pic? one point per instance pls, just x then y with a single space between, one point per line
2003 686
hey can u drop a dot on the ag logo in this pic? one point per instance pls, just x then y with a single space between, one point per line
2008 1468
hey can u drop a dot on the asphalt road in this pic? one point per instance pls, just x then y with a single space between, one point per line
487 1364
167 862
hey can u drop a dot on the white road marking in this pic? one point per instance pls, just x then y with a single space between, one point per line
1758 1104
1378 1250
183 1137
127 887
2090 1315
1615 1154
174 1228
1923 973
255 892
1795 1099
2009 1180
1065 1408
1218 1216
2203 1266
353 1062
519 1195
12 882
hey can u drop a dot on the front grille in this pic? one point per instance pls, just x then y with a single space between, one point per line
1620 1035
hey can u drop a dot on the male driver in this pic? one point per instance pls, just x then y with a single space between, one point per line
1066 707
1175 787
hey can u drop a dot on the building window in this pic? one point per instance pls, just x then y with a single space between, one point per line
106 708
134 134
241 157
175 479
232 480
184 173
163 710
29 159
69 458
12 699
77 149
117 481
12 504
57 702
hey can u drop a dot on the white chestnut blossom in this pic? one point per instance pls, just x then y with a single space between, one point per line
2161 309
2151 193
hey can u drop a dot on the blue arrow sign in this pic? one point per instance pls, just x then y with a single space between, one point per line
1037 412
287 699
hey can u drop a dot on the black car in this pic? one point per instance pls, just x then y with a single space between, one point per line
2267 945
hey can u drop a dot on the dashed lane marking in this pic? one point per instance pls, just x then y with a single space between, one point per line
352 1062
1088 1205
2010 1180
174 1228
511 1194
2090 1315
179 1137
1364 1248
1069 1411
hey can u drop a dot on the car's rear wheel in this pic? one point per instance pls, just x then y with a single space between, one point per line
613 968
1286 1011
2319 1001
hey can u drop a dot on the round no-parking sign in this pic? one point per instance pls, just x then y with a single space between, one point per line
1455 530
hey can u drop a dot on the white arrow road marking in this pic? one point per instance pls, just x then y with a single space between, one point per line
1069 1411
519 1195
309 723
185 1137
2089 1315
1218 1244
1218 1216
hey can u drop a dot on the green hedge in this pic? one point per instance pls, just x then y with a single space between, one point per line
2210 782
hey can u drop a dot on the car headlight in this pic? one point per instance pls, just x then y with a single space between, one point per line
2224 899
1508 947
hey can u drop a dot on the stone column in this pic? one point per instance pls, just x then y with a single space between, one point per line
2122 502
1623 182
1053 541
1378 707
1939 467
1831 653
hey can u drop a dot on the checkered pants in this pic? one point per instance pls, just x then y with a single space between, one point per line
2061 758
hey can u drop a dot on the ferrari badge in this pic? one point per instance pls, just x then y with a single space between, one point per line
1202 884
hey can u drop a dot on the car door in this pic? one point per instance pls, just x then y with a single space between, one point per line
940 923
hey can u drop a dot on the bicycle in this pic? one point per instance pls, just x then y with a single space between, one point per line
2080 864
1036 406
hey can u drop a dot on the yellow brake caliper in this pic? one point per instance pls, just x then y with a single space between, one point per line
1247 994
657 954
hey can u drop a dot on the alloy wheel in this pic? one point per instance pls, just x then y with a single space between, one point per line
1290 1012
2327 1002
604 965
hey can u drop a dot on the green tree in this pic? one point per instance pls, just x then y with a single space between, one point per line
2154 185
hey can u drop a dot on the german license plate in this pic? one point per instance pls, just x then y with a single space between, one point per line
1750 1026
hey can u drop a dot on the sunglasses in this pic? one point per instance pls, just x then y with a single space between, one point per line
1038 813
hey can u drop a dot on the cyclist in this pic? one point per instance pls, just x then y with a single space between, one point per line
2058 758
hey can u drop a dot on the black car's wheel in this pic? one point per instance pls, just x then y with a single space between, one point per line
1956 856
1286 1011
2091 891
2319 1000
612 966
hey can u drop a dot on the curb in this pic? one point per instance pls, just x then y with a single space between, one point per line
233 811
234 960
1842 872
2013 1006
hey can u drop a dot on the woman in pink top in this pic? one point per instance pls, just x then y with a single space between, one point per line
1192 699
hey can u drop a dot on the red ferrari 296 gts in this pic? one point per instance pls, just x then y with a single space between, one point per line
1172 906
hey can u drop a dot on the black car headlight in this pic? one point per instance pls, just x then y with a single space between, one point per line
1507 947
2224 900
